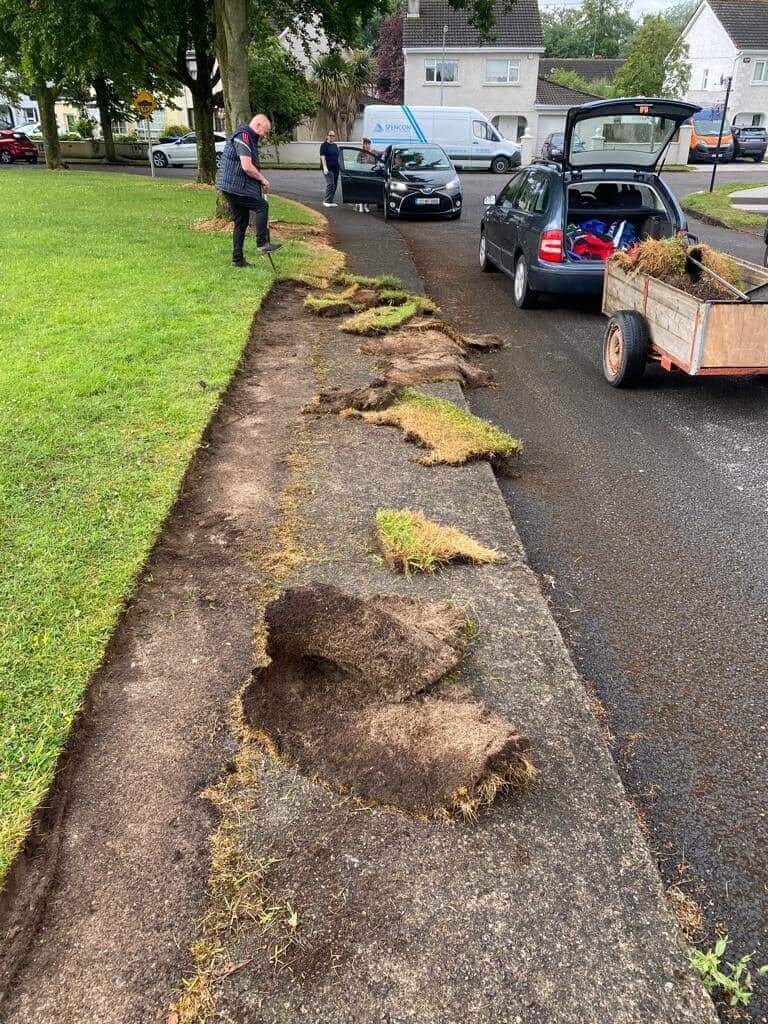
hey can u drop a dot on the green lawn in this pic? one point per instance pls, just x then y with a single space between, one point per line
716 205
119 329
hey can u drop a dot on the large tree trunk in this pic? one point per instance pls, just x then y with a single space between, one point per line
103 98
202 104
46 100
232 40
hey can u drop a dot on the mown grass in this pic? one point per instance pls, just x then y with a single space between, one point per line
716 205
120 329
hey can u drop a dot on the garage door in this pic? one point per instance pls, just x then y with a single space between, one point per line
548 123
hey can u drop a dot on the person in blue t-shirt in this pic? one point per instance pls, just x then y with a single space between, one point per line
329 161
241 181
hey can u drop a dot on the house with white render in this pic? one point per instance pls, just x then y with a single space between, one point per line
729 39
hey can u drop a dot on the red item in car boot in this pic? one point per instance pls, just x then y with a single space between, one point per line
591 247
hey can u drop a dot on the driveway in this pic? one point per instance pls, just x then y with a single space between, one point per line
643 512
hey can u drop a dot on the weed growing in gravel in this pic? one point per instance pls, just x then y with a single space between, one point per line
410 542
730 983
454 435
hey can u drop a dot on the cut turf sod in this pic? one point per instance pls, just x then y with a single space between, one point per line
376 395
356 691
453 435
108 376
382 281
351 299
409 542
387 318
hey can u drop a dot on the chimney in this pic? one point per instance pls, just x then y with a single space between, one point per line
413 8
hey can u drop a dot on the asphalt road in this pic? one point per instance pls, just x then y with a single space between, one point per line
643 512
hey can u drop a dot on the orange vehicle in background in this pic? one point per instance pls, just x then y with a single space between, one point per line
706 129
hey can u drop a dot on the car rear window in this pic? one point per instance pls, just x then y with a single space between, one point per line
20 137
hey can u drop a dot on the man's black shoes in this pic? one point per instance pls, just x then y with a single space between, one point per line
269 247
242 263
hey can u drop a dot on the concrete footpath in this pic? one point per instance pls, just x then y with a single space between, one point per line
550 908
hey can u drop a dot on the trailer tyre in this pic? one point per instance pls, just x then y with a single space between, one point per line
625 349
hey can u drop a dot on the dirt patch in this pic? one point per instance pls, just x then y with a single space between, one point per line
115 888
376 395
430 368
357 691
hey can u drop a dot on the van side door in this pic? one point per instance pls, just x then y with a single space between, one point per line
481 148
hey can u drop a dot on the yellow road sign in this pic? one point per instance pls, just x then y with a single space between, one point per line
145 103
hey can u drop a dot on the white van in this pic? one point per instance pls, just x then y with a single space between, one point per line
466 135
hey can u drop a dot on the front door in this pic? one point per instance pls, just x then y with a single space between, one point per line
362 176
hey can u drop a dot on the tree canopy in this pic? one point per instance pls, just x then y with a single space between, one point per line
598 28
278 87
657 62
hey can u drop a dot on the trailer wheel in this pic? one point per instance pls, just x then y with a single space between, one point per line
625 349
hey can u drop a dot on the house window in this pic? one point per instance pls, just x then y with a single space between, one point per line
760 74
30 114
705 79
441 71
502 72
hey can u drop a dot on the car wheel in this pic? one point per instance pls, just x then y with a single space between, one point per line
523 294
486 265
758 158
6 156
499 165
625 349
159 159
218 159
32 159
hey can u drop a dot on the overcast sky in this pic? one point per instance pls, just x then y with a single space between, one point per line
637 8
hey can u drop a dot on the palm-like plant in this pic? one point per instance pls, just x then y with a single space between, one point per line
340 84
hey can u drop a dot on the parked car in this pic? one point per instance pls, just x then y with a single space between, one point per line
749 142
466 134
183 151
30 128
14 145
705 132
406 179
537 229
552 147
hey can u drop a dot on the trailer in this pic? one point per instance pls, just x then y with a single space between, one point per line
651 321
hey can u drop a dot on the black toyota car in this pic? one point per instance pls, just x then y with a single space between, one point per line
554 223
406 179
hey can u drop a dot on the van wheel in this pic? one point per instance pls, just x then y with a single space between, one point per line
525 297
625 349
499 165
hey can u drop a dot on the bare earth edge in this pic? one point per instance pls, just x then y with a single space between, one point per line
105 952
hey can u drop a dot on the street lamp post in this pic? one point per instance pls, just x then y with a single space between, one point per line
728 82
442 66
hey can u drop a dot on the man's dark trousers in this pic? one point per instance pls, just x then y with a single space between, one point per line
331 181
241 207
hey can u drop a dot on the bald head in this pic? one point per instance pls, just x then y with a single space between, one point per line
261 125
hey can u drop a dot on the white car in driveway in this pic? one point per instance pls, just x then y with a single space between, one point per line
183 151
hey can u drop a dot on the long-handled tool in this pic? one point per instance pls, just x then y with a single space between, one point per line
693 261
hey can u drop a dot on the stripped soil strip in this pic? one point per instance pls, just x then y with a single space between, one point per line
126 858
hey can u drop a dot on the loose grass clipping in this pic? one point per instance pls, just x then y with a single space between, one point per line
361 692
667 260
453 435
409 542
353 298
376 395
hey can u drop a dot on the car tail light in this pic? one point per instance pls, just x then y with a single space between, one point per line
551 246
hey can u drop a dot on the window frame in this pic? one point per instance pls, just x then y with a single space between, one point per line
433 63
511 62
763 78
705 80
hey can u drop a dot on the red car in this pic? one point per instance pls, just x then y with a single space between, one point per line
16 146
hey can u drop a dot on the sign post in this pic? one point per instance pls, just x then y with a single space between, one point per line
727 83
146 105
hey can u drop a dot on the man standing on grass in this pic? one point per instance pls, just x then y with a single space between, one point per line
241 181
329 161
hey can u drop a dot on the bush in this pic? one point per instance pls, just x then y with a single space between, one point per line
85 127
176 129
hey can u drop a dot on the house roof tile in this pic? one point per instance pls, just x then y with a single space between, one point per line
552 94
588 68
745 21
517 24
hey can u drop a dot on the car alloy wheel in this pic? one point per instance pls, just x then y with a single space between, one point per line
6 156
159 159
485 264
218 159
